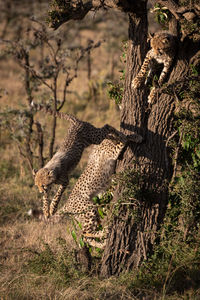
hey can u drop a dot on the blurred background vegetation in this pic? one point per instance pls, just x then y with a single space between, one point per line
79 68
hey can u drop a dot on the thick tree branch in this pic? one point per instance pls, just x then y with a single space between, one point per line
69 10
64 11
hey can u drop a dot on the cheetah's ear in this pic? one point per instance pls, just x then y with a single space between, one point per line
150 36
34 171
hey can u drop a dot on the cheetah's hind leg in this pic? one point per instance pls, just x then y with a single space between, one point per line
90 237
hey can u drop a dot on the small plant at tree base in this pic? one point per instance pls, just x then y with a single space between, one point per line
60 264
135 192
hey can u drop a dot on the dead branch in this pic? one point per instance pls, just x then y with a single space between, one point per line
21 54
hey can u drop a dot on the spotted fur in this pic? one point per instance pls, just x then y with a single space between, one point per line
163 46
80 135
94 179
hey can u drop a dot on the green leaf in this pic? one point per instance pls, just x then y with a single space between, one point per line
80 225
194 70
198 153
81 242
195 161
95 200
162 18
101 213
186 145
99 250
181 179
73 233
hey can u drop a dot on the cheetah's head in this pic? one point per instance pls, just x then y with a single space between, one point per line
44 178
162 42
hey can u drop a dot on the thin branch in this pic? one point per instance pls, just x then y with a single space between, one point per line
143 246
19 55
30 163
53 130
40 142
176 157
67 82
36 75
29 152
69 79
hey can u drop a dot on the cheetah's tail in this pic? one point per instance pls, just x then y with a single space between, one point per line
47 109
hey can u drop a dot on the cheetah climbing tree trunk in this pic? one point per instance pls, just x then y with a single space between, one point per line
133 233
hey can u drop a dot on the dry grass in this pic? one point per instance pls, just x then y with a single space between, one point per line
18 243
19 240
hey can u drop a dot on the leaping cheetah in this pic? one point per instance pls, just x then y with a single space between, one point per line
80 135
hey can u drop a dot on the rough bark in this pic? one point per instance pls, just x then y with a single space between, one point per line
131 240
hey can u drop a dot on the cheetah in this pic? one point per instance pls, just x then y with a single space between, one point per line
93 180
163 46
80 135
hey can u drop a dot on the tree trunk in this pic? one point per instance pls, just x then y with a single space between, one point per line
132 237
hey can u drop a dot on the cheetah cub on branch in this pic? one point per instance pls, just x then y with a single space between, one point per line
163 47
80 135
93 180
